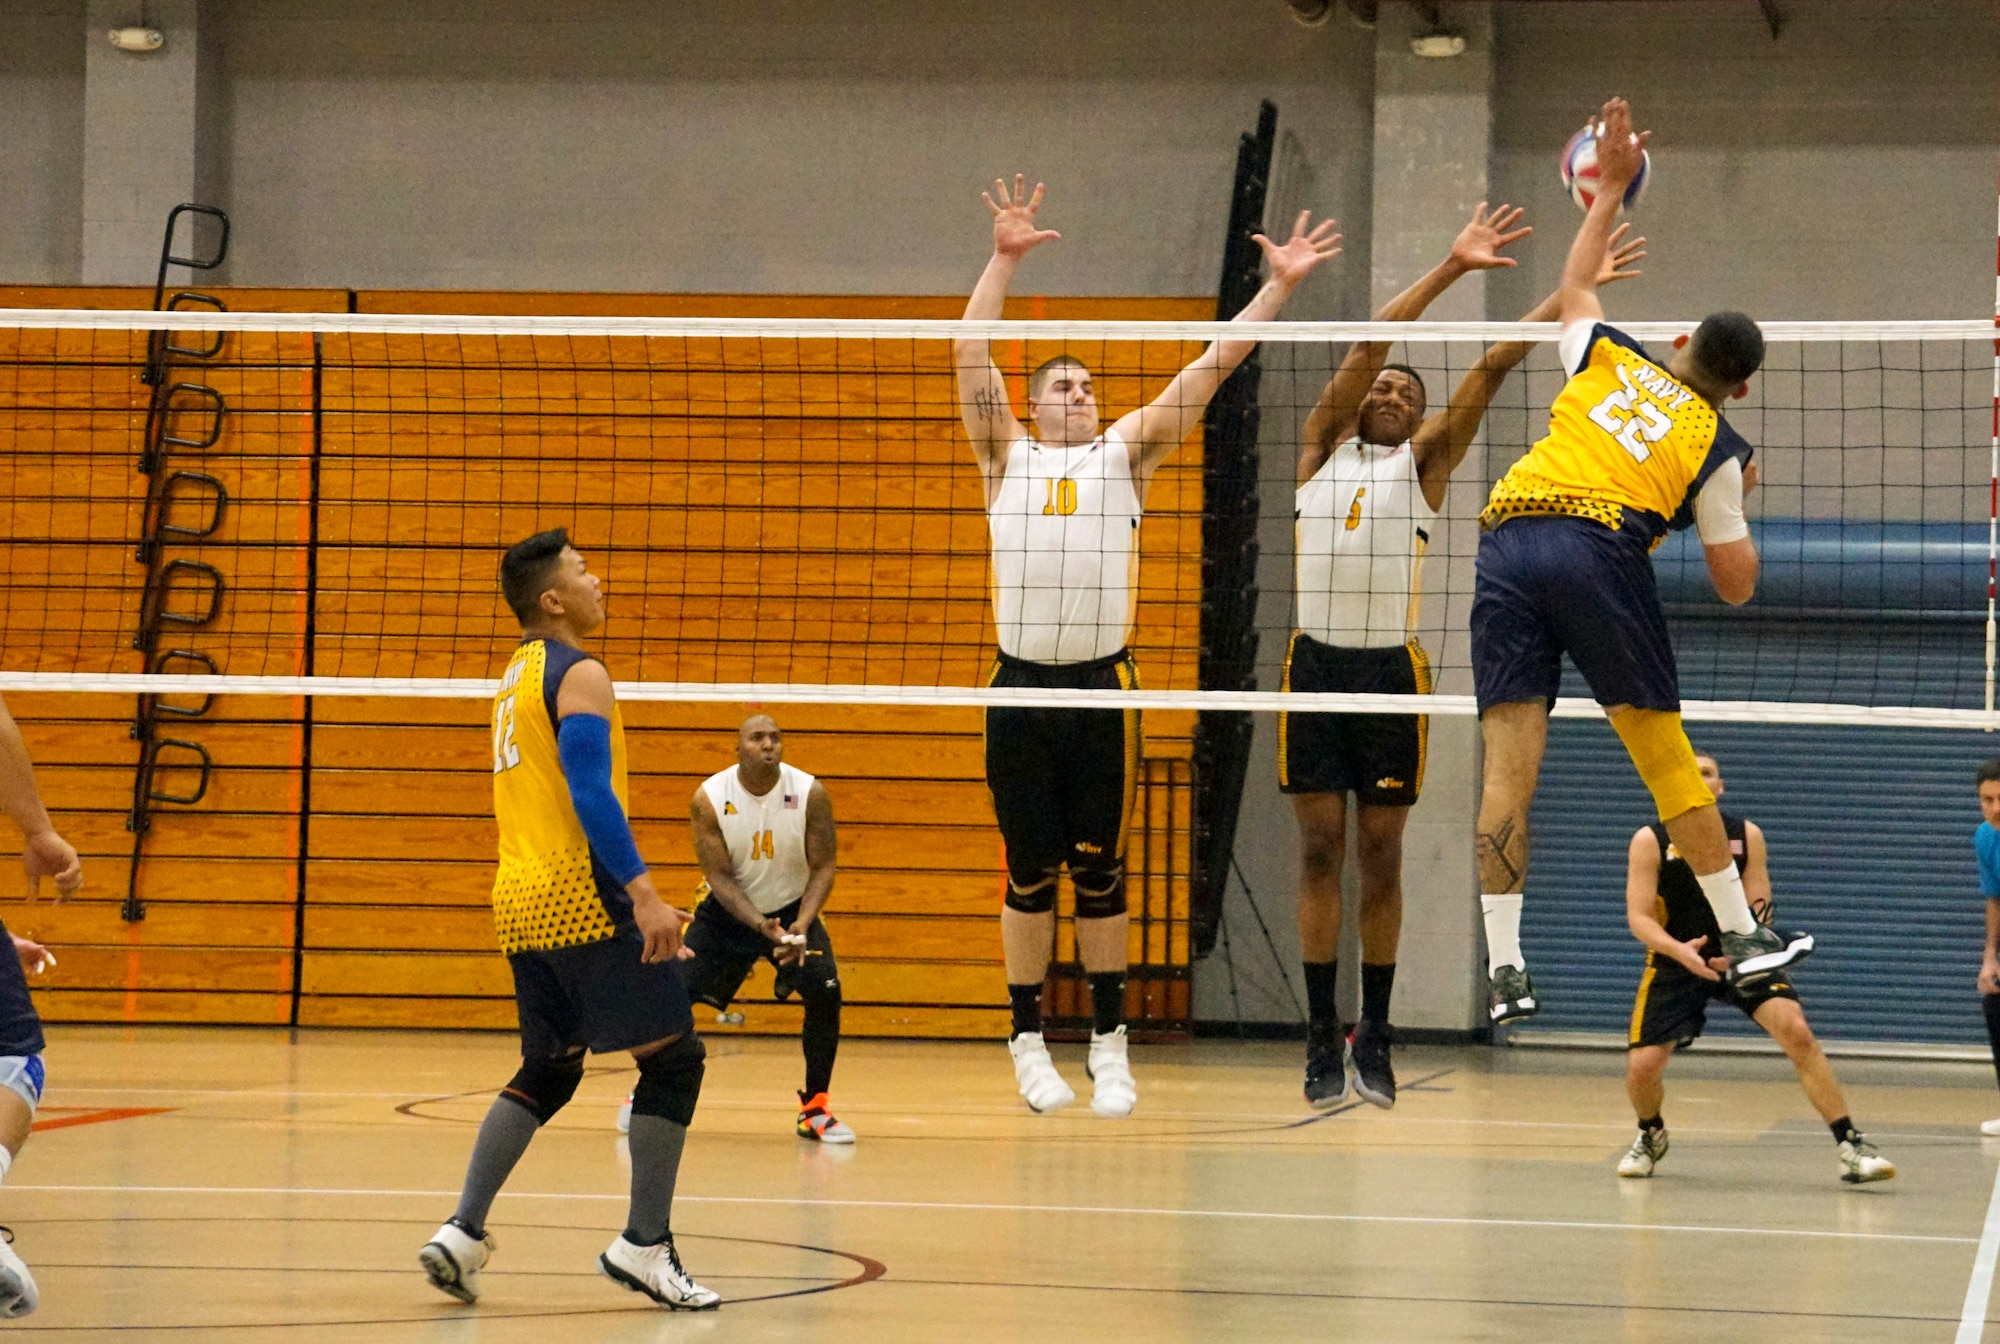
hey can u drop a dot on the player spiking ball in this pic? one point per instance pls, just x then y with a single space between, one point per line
1635 449
1063 502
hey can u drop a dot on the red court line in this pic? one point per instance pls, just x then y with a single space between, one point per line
70 1116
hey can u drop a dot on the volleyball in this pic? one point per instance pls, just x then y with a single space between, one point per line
1579 170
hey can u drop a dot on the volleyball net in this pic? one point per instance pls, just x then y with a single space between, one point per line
788 511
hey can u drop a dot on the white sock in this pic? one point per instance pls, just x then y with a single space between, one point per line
1725 897
6 1161
1503 932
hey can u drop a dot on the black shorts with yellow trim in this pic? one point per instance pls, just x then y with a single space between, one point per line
1672 1004
1379 758
1063 779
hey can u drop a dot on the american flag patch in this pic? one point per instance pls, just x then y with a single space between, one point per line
792 801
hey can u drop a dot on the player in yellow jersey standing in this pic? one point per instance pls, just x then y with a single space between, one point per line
1064 496
593 948
1635 449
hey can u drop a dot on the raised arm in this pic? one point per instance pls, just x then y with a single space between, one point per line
1441 442
1619 156
1338 410
982 391
1154 431
1642 887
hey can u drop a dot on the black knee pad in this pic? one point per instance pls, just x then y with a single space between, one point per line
1100 892
670 1081
1032 891
544 1086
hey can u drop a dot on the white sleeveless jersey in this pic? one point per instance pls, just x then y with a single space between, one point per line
1065 530
1362 528
766 836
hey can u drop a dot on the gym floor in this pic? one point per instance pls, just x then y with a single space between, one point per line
252 1185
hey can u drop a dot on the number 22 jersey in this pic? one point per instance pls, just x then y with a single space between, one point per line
1629 445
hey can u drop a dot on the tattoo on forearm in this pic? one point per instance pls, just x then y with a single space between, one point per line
987 402
1505 847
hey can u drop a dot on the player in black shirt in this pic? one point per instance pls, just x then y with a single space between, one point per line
1667 912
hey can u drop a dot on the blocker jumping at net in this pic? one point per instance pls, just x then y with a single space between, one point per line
764 836
1665 910
1063 503
594 950
1372 473
1634 449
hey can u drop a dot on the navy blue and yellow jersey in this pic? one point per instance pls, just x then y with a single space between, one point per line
551 890
1680 906
1629 446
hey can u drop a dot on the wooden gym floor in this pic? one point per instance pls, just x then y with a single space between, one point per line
243 1185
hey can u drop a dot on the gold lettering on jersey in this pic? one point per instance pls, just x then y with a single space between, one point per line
761 846
1061 497
1354 509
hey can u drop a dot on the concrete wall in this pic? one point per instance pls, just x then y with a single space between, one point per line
810 146
41 140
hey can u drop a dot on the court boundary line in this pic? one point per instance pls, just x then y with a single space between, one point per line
1979 1288
943 1206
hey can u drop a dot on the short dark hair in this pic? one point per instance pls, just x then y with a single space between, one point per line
1988 772
1414 377
526 569
1040 377
1728 347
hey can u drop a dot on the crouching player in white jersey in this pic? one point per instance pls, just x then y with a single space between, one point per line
45 854
1372 473
763 834
1063 505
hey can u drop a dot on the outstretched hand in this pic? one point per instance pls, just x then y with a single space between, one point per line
1478 245
1689 955
1620 153
1014 231
1620 256
1301 252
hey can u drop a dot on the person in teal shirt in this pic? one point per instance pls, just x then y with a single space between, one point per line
1986 843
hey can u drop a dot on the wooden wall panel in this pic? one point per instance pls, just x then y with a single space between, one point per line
840 466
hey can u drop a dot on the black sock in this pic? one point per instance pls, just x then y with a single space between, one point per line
1377 984
820 1040
1107 1001
1320 978
1026 1001
1991 1003
1654 1123
1844 1130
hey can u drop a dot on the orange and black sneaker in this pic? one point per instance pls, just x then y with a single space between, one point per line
816 1121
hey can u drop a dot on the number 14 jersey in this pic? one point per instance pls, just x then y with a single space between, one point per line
1629 445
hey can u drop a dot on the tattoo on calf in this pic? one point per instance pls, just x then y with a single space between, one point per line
1506 845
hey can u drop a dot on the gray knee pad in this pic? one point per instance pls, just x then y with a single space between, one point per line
1100 892
670 1081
